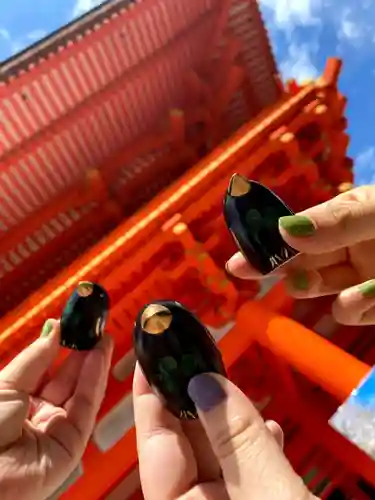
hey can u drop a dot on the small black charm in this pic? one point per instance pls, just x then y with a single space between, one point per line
84 316
172 346
252 213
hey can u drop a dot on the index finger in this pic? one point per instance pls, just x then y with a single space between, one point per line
343 221
166 461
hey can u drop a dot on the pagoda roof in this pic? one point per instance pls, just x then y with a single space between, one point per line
83 95
60 38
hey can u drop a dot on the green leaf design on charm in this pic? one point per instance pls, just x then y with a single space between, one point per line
271 217
254 220
167 366
190 364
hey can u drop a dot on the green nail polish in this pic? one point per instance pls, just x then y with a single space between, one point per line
300 280
368 289
297 225
47 328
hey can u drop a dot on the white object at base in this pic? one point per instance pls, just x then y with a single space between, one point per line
355 419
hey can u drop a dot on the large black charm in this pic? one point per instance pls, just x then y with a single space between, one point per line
84 316
172 346
252 213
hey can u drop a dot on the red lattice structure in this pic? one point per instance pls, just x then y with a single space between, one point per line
127 91
121 132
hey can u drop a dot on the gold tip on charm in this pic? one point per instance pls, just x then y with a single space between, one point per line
85 288
238 186
156 319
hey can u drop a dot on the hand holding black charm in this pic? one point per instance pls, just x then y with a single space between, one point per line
84 316
252 213
172 346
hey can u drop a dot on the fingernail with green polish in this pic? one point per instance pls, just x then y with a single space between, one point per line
47 328
368 289
300 280
297 225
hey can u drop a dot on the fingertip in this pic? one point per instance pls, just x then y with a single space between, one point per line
276 431
214 394
304 238
207 391
298 281
302 283
50 331
351 306
297 226
106 344
96 365
55 323
212 391
293 241
26 371
238 267
140 384
103 349
223 381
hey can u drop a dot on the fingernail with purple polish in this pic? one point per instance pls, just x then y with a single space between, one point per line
206 392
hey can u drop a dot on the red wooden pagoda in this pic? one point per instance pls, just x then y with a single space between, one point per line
113 99
120 133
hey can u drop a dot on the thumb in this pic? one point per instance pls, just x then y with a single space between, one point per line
252 462
25 372
343 221
20 378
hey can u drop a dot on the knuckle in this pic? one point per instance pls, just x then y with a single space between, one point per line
240 435
364 194
156 432
342 212
359 194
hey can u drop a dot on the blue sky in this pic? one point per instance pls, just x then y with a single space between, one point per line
303 32
364 395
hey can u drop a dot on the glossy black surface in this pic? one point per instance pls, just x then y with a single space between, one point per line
181 349
84 316
252 213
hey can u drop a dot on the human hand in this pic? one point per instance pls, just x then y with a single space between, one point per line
228 454
337 244
46 422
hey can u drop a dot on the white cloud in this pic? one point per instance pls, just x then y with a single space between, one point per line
283 17
296 30
4 34
287 14
83 6
36 35
7 44
353 26
365 167
298 63
349 29
14 45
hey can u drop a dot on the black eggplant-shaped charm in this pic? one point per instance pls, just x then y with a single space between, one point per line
252 213
84 317
172 346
